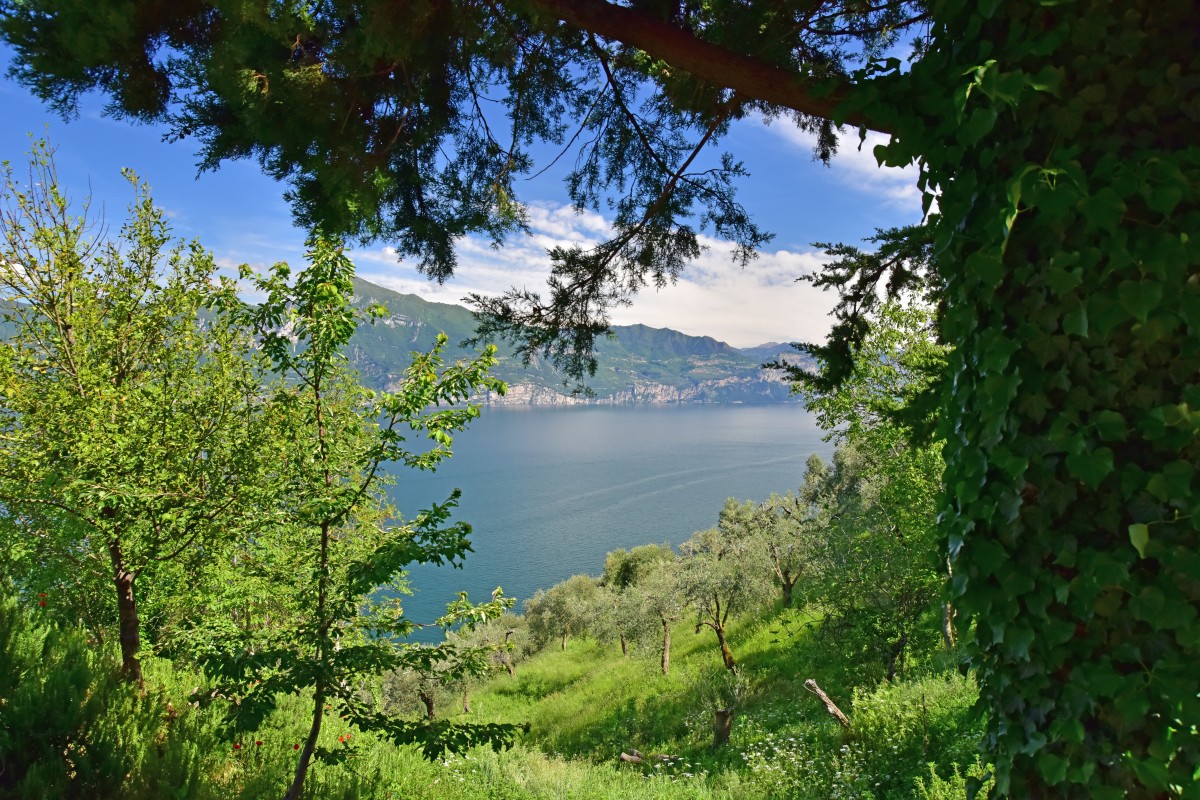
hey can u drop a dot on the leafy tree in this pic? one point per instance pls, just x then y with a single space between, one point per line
1055 138
132 427
714 580
662 599
331 548
776 537
621 613
433 670
879 550
565 609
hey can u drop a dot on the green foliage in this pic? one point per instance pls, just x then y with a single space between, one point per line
871 516
901 734
566 609
133 427
871 288
330 548
69 728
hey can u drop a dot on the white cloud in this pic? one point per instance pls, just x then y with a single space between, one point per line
855 165
714 297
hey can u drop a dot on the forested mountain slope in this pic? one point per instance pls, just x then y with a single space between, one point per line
638 364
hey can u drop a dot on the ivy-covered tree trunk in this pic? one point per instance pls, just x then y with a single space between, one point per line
1069 243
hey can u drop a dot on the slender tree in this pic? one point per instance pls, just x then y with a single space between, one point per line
332 546
715 582
564 610
663 600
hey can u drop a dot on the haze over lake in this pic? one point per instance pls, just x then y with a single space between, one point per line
550 491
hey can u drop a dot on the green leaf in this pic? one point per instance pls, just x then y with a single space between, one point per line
1076 322
1091 467
1139 298
1111 426
1104 209
1139 536
1053 768
978 125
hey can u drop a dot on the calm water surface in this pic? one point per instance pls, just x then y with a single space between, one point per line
550 491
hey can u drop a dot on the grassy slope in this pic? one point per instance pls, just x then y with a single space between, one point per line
589 703
584 706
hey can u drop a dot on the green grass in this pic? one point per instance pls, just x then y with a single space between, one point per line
584 707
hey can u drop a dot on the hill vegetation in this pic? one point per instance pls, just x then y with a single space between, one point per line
637 364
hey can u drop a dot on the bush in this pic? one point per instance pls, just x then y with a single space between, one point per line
69 728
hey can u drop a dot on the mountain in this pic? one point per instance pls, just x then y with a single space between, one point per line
638 364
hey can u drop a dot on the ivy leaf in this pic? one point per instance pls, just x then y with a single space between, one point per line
1139 536
1053 768
1104 209
1091 467
978 125
1139 298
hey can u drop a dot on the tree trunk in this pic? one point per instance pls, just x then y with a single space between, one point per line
127 615
723 726
310 744
624 646
320 687
726 653
466 699
896 656
948 614
506 655
564 641
787 592
427 699
666 650
1070 403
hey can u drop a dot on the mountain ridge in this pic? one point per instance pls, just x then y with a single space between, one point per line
639 364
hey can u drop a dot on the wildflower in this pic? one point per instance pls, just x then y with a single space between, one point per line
237 745
258 743
41 594
295 747
41 602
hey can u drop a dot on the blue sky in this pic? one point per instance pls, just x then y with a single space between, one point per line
241 216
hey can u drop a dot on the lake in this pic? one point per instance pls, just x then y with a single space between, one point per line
550 491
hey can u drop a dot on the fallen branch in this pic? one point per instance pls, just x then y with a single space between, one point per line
632 758
637 757
830 706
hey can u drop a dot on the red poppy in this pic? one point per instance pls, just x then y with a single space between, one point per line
41 602
295 747
41 594
237 746
258 743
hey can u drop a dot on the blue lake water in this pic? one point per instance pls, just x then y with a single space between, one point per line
550 491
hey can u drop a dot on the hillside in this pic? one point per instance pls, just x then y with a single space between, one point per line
638 364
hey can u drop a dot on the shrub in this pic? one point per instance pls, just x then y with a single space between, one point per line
69 728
